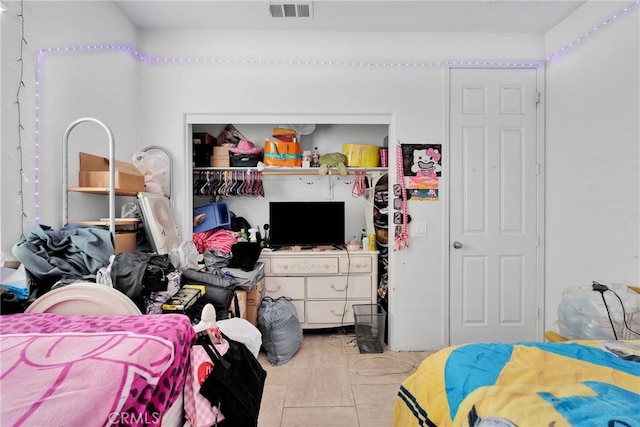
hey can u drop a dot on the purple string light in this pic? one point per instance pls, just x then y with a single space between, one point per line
148 59
581 38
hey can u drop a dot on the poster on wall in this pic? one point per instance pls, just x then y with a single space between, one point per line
422 165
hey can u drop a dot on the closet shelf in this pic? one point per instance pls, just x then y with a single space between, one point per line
288 171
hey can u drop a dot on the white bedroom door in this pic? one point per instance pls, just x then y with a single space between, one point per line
493 205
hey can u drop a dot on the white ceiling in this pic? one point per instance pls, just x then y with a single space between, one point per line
485 16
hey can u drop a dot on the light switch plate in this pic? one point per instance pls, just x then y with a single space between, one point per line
419 228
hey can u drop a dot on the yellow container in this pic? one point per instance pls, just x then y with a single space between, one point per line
372 242
363 156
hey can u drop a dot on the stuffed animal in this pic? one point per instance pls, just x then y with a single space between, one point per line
332 160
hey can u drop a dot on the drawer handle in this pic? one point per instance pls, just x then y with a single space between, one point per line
332 286
338 314
273 290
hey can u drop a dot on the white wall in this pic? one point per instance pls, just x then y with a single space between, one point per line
593 153
146 104
412 95
72 84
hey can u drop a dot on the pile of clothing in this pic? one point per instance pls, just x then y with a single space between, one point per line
58 257
80 253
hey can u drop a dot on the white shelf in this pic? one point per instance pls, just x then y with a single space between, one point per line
103 191
288 171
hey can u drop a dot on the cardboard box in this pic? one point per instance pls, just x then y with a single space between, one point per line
125 242
221 151
242 304
249 303
254 296
252 315
219 162
203 138
94 172
247 312
220 157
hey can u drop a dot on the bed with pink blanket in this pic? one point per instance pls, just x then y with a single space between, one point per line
81 370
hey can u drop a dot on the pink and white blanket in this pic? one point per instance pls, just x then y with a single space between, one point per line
91 370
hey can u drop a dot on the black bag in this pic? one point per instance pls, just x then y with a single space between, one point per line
219 290
244 255
235 384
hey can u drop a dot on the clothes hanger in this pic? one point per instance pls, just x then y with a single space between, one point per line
260 184
205 187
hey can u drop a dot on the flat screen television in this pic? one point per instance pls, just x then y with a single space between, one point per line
306 223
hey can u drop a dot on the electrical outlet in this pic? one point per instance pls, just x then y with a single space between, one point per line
419 228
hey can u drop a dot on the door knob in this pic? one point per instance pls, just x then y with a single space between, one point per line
457 245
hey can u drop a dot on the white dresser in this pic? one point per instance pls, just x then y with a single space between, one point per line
322 284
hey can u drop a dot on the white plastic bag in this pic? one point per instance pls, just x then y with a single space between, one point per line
185 256
154 169
582 313
242 330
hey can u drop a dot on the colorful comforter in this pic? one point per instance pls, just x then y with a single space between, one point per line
91 370
525 384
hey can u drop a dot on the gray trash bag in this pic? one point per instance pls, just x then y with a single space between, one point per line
280 328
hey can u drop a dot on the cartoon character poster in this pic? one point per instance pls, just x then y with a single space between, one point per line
422 164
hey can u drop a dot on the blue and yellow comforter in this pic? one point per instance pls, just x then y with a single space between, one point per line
525 384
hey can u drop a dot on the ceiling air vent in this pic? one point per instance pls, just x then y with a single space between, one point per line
290 10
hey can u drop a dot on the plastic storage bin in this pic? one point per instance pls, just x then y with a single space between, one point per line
364 156
245 160
370 320
208 217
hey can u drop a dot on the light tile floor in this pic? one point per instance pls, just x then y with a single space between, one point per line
329 383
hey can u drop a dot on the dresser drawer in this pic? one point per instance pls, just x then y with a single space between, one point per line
302 265
356 264
331 311
335 287
299 305
292 287
267 264
316 282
